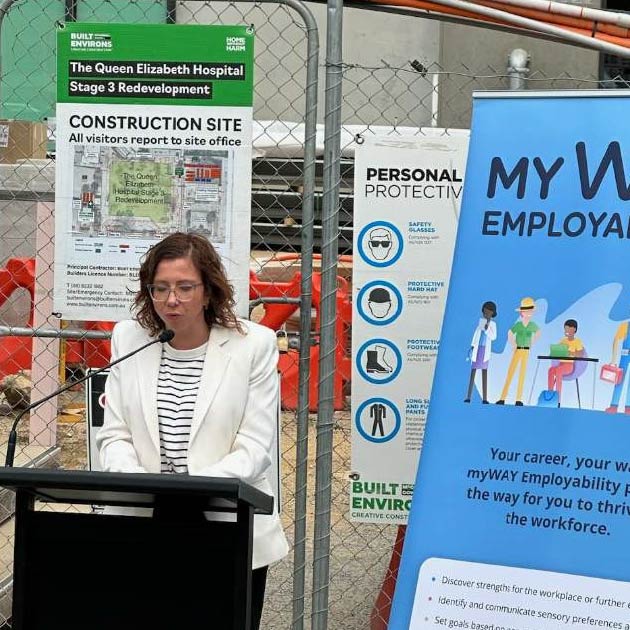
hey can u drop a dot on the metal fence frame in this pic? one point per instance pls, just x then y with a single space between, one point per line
330 231
335 74
305 299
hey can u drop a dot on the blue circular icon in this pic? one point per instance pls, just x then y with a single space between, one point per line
383 300
377 412
384 244
378 362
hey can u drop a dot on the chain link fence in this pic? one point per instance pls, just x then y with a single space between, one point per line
58 435
286 229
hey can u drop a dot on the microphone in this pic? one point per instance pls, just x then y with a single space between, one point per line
163 337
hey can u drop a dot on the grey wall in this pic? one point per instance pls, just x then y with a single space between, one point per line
483 53
374 46
380 86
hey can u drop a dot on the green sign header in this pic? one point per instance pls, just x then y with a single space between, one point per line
155 64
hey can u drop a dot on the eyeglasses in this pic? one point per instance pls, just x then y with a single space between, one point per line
182 292
381 243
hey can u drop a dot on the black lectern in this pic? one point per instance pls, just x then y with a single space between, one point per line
174 570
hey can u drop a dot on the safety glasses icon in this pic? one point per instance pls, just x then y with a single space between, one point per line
381 243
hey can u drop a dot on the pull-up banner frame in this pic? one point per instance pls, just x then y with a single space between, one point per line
521 511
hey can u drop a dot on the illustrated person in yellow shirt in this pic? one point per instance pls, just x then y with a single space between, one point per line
621 336
566 366
522 336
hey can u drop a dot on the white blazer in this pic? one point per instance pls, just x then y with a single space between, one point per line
234 420
491 335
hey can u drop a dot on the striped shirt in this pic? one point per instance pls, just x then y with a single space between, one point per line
178 383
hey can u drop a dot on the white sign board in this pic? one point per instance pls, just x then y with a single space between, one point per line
406 205
134 202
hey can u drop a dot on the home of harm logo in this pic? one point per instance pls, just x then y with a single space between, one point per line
90 41
235 44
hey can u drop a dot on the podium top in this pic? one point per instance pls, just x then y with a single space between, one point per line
138 489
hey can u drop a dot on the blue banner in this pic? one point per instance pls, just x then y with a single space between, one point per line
524 476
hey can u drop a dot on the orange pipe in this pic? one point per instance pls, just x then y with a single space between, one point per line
284 256
611 39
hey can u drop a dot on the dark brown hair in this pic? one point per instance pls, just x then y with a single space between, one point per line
220 309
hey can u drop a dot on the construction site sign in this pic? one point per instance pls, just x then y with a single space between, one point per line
150 140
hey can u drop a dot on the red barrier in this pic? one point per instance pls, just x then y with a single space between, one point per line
97 352
16 352
275 317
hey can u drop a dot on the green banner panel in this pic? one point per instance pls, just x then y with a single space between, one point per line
120 63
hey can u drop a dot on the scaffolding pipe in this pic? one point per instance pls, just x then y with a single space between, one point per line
573 10
610 44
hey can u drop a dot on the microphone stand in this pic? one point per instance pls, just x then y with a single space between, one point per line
166 335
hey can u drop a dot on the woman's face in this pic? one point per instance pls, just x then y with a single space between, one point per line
488 313
181 296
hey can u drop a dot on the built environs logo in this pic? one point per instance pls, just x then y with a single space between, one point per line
235 44
90 41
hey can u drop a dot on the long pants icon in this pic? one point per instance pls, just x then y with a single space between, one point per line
378 411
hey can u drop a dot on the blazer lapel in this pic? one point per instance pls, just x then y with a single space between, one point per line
214 367
148 363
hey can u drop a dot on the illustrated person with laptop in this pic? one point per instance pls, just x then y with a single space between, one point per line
522 336
568 346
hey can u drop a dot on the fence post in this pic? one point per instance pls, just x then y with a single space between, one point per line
309 29
330 230
306 294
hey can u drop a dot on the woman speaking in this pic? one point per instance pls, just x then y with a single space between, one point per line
206 402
